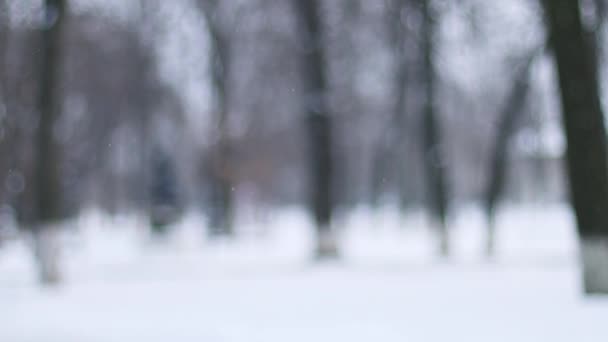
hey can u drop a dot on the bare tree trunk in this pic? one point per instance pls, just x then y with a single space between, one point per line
497 170
434 160
4 33
4 121
156 182
222 182
223 187
5 136
400 120
586 136
47 181
319 124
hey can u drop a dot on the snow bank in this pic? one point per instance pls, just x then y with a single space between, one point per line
123 286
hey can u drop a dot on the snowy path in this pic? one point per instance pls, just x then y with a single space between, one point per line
255 292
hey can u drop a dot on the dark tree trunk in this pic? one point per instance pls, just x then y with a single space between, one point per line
221 173
399 122
4 121
4 33
434 161
47 182
586 136
164 197
156 184
142 102
497 170
319 123
222 182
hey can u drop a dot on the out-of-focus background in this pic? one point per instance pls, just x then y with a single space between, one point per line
299 170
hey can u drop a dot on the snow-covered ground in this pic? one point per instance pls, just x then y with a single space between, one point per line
119 285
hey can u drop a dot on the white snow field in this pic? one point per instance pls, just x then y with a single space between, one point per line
120 286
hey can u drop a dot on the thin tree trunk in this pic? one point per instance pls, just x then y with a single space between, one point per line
497 170
4 120
222 183
434 160
399 124
319 124
4 33
586 136
47 182
223 187
5 135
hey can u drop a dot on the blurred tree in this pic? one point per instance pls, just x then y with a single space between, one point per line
512 110
4 135
434 161
319 123
586 136
46 175
163 192
4 34
222 187
106 60
399 125
151 101
390 150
